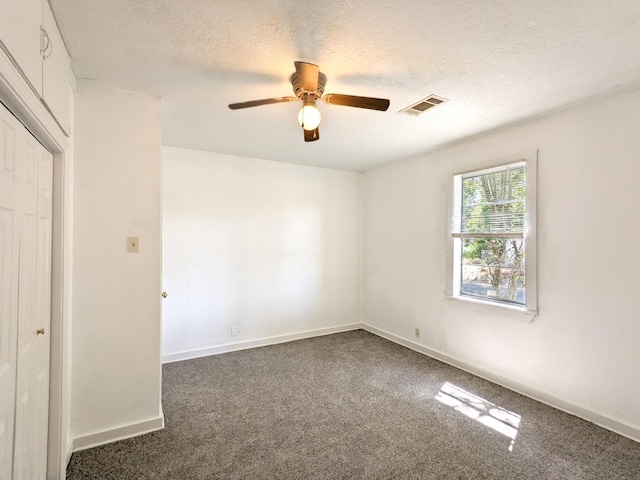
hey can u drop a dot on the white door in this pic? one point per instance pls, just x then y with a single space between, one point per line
9 211
25 273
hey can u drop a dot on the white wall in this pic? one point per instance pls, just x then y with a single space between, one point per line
272 248
116 295
582 352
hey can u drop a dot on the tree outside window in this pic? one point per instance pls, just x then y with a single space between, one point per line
489 231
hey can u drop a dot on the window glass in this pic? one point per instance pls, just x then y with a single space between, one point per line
489 234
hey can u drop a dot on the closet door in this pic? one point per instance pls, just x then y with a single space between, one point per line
30 254
10 211
40 372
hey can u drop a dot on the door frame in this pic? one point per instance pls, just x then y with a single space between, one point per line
19 97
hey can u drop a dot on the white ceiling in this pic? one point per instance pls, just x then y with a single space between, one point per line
496 61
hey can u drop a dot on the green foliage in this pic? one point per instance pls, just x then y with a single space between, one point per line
494 203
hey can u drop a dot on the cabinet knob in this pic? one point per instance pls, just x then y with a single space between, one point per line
40 331
164 294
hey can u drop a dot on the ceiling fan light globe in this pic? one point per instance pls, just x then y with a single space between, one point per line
309 117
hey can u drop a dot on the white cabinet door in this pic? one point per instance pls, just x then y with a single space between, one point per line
25 204
56 91
42 57
20 22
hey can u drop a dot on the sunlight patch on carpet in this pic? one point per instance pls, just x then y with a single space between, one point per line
477 408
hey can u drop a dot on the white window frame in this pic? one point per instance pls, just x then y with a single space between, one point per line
452 290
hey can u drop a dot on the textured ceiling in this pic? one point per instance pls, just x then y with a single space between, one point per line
497 62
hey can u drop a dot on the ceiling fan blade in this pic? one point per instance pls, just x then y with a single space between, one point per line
354 101
266 101
311 135
308 74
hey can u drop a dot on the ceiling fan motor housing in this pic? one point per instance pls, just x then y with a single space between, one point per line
301 93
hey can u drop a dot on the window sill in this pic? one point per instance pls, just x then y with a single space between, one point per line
520 313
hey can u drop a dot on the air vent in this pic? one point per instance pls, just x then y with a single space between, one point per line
423 105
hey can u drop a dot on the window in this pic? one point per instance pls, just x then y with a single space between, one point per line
493 235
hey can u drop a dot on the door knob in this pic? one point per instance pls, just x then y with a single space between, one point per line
164 294
40 331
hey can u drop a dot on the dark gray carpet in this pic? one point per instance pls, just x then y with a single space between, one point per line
353 405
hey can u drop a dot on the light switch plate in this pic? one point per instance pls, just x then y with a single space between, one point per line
133 245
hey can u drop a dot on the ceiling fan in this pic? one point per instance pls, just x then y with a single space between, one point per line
308 85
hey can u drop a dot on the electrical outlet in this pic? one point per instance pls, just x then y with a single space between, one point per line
417 332
234 331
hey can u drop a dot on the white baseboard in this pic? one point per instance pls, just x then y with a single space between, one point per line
261 342
616 426
119 433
